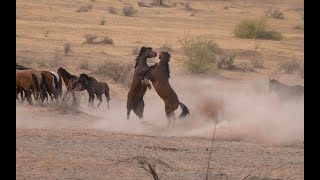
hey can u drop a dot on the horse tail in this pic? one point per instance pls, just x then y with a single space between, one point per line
60 84
185 110
56 84
36 83
45 86
106 93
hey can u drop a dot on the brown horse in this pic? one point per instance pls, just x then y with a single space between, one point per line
159 75
25 80
284 91
137 90
71 81
94 87
52 83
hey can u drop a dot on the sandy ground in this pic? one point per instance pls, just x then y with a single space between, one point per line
257 137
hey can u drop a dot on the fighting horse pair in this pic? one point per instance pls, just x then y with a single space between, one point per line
159 75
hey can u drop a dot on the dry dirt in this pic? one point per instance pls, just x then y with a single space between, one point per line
257 135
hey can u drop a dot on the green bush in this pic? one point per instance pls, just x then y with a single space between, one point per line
199 54
255 29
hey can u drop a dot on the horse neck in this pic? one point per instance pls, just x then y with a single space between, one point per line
142 60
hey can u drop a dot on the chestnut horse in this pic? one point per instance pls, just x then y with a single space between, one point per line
137 90
25 81
159 75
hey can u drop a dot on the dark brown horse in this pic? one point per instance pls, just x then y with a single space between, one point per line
159 75
284 91
95 88
71 81
137 90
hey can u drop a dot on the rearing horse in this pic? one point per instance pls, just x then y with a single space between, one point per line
159 75
137 90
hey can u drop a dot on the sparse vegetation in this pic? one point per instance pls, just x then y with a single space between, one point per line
255 29
226 8
225 62
274 13
90 38
166 47
55 60
129 11
289 67
257 63
46 33
112 10
198 55
142 4
298 26
84 65
41 64
68 104
67 48
26 62
244 67
120 73
187 6
84 8
103 21
107 40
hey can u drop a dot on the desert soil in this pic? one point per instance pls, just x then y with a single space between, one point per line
261 137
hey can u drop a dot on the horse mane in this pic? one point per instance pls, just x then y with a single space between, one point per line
142 50
166 58
66 73
20 67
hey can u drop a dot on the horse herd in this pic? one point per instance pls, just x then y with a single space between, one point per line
42 83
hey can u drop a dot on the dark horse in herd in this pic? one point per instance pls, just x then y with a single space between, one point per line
42 83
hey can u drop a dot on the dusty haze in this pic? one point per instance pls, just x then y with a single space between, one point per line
245 112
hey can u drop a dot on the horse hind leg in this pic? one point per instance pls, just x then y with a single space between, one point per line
99 97
139 108
28 96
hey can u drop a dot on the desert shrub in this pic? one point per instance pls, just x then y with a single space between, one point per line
68 104
112 10
289 67
225 62
255 29
187 6
166 47
142 4
67 48
244 67
274 13
107 40
257 63
226 8
129 10
55 60
41 64
84 8
135 50
103 21
90 38
198 55
84 65
298 26
120 73
26 62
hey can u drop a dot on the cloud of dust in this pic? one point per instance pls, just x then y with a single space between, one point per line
244 109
